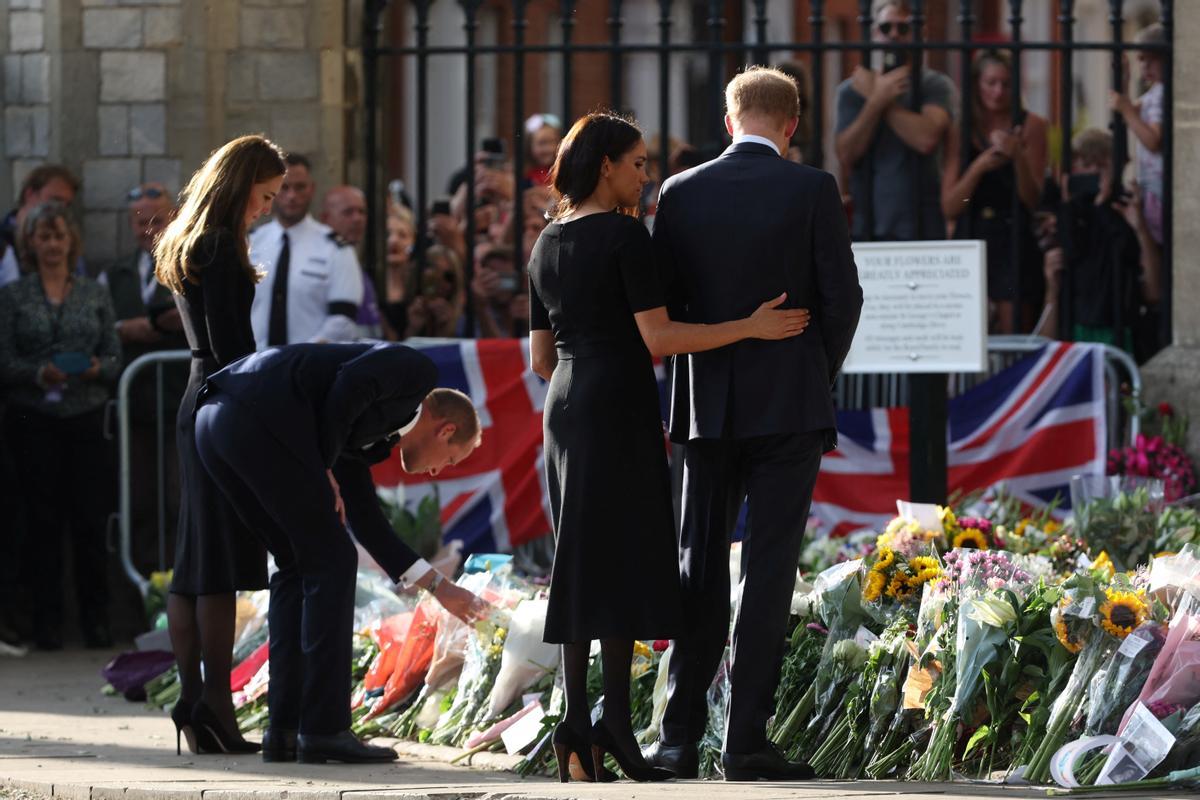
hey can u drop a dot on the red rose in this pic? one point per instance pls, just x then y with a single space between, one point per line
661 644
1166 409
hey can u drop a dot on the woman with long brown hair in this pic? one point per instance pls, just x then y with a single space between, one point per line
1007 147
203 258
597 316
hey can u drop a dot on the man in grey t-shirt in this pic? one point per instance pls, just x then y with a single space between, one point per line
881 141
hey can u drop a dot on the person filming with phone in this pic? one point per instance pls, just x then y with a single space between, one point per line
502 305
884 145
1114 261
59 354
437 309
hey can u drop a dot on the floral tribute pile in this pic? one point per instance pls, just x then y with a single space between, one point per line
983 640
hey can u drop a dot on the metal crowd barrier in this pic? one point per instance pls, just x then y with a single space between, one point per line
850 391
125 513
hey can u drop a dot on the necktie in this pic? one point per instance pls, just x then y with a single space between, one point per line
277 329
151 284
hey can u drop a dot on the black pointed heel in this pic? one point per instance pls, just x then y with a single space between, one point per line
181 715
567 742
631 762
211 737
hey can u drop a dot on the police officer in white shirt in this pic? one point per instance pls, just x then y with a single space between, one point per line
313 285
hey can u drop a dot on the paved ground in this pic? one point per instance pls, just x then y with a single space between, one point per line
60 736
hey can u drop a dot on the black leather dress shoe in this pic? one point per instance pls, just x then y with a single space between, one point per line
683 760
768 764
312 748
278 744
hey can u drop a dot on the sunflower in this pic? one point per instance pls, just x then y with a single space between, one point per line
886 558
971 538
899 587
1065 638
1122 612
1104 564
875 583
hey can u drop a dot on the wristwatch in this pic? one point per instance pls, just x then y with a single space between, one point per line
436 582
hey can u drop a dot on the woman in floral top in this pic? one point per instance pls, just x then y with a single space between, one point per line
59 355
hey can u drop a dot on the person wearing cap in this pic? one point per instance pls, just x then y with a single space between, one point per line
313 285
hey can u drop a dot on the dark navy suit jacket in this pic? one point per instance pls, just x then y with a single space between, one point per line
729 235
338 406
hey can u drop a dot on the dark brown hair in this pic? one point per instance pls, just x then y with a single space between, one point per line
216 197
982 62
40 176
576 171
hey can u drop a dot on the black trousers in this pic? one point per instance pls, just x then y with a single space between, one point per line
777 475
311 614
66 475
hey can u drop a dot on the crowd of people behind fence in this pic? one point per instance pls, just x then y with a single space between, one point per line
67 328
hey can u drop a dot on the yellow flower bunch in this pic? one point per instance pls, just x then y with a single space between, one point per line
1122 612
160 580
1104 564
1072 643
899 588
1052 527
886 558
924 569
949 521
876 581
642 649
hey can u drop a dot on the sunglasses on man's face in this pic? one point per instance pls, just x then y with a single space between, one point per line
138 192
902 28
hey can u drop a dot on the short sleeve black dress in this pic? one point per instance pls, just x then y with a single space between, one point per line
215 553
616 564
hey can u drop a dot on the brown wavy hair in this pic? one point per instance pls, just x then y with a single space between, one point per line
576 171
216 197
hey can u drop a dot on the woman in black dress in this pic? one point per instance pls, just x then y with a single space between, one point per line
597 314
203 258
1007 147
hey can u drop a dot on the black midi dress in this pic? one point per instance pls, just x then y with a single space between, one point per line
215 552
616 564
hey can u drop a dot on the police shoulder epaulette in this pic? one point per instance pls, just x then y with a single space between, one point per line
339 241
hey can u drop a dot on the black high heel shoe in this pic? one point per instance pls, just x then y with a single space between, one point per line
211 737
567 742
181 715
630 759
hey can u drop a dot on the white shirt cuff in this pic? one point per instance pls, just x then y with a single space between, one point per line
417 571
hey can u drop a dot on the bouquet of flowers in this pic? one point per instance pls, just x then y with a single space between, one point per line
990 588
1158 455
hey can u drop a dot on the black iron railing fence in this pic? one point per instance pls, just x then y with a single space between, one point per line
719 51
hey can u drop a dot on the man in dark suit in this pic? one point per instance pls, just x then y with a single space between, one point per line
754 416
147 320
288 434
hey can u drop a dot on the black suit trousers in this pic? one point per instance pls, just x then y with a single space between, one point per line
289 504
777 474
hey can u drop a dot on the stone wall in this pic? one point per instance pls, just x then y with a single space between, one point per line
124 91
1174 374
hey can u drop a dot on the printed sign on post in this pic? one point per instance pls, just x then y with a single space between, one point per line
924 307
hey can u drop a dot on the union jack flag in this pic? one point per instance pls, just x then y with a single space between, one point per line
495 499
1031 427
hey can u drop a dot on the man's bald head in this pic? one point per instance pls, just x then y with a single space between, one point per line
345 210
150 210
